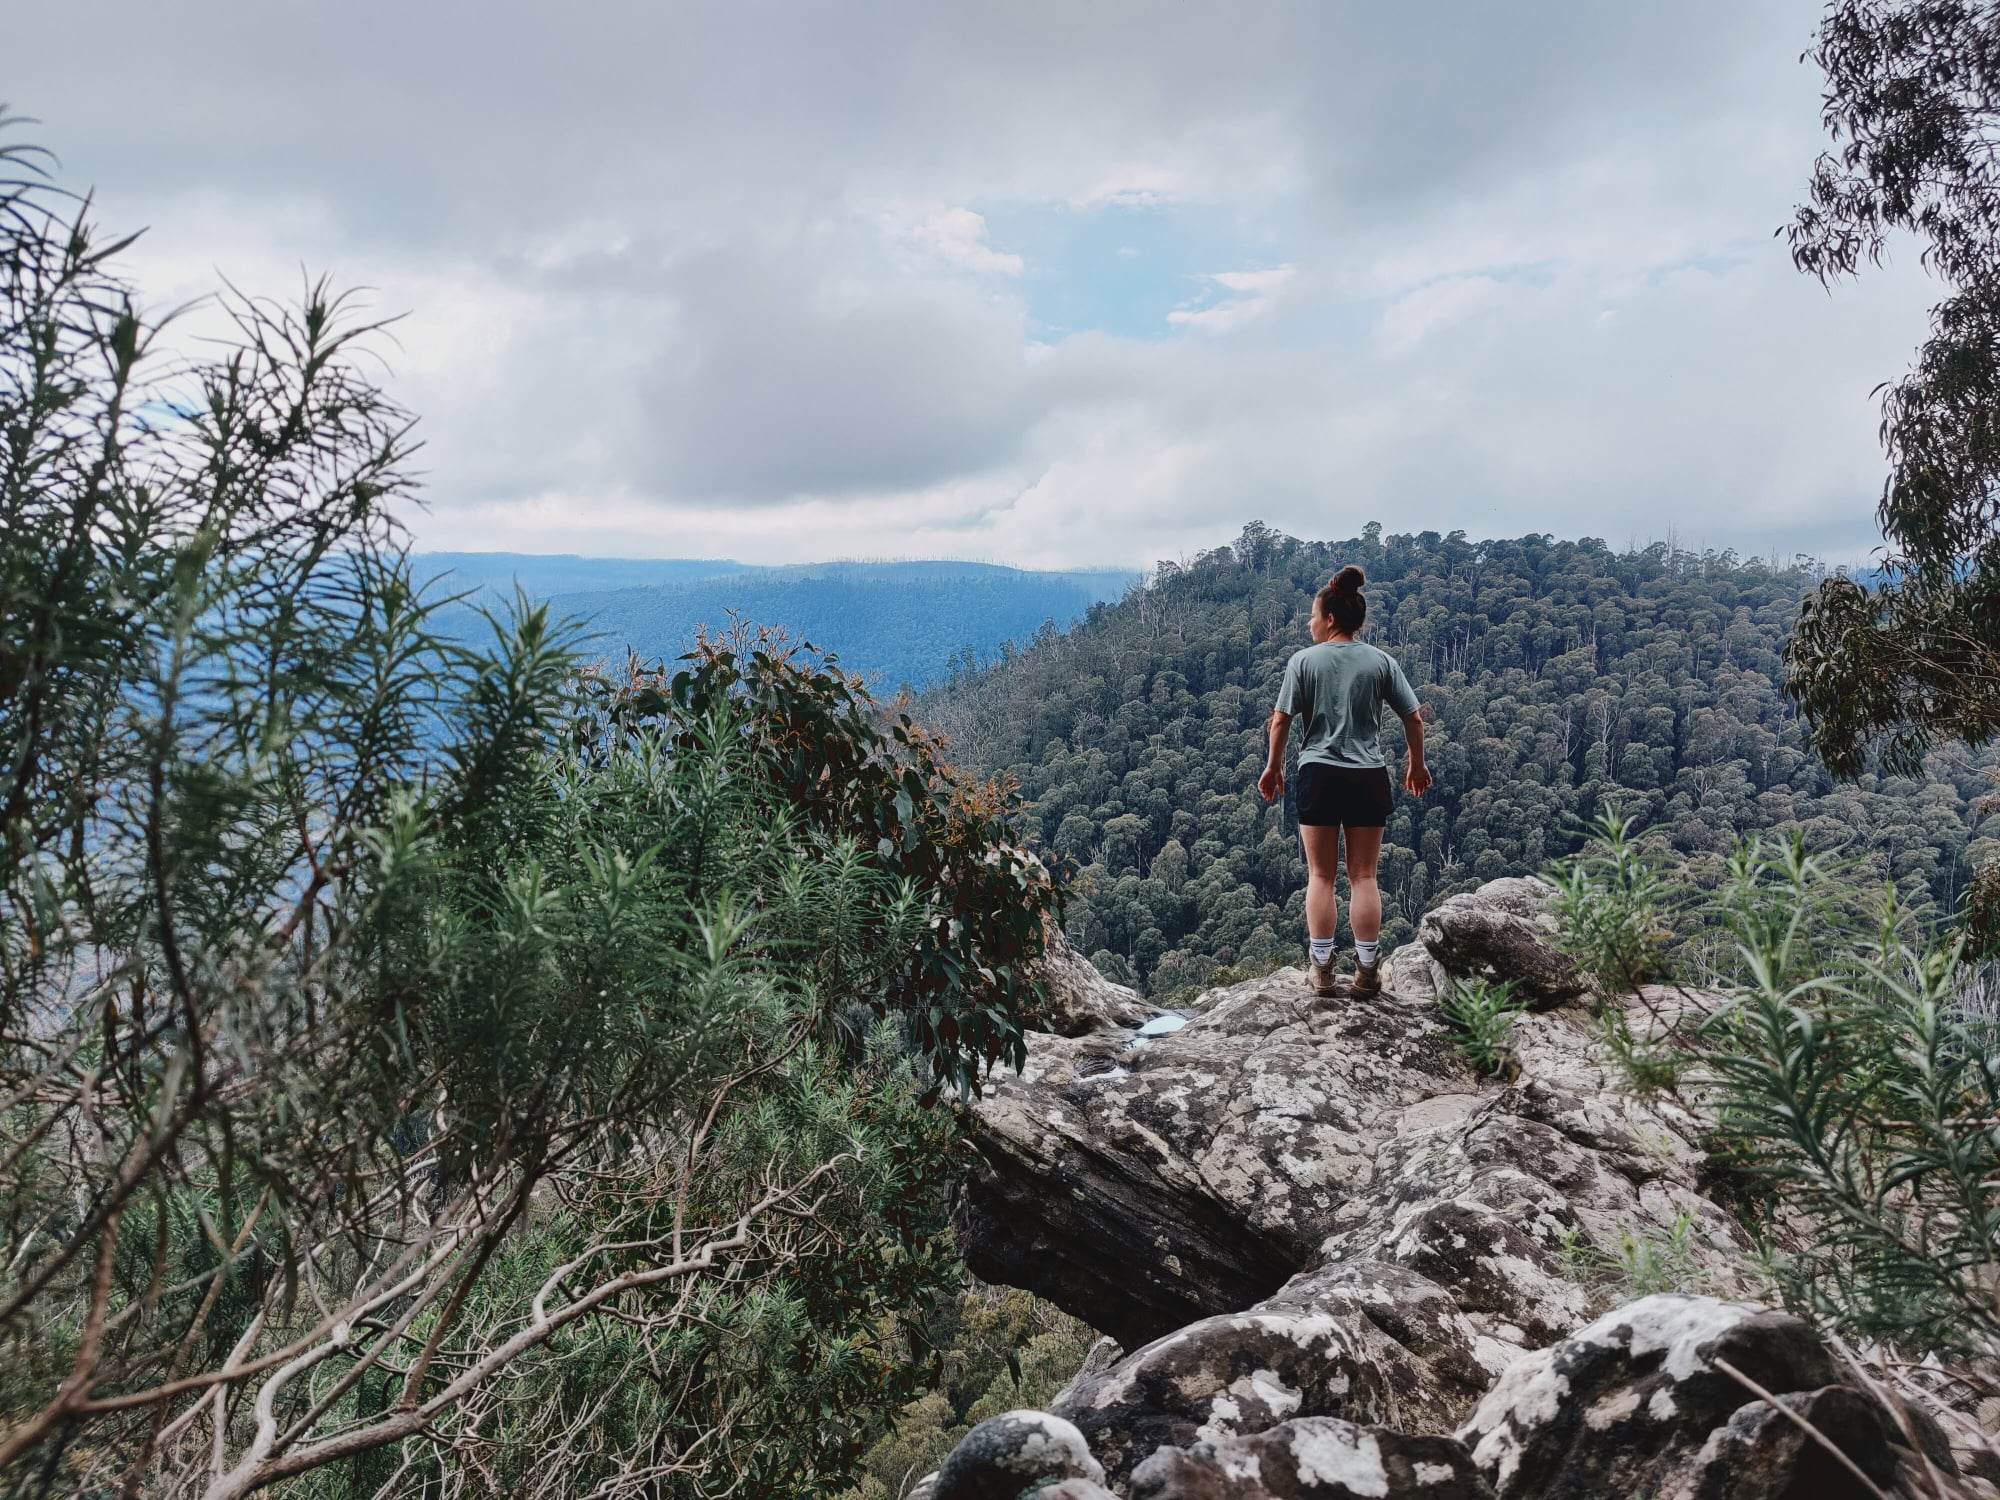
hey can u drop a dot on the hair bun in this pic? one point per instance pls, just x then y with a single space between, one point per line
1348 580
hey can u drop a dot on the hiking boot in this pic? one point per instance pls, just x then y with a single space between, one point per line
1367 981
1322 977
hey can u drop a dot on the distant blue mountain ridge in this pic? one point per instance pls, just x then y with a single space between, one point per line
894 623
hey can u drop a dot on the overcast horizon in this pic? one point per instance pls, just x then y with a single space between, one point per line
1051 286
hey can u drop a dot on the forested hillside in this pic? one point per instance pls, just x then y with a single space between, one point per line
895 623
1556 675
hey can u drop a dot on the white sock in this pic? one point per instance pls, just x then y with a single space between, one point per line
1365 951
1322 949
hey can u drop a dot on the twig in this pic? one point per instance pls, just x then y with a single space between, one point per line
1802 1424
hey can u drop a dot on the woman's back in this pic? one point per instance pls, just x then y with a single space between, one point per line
1338 689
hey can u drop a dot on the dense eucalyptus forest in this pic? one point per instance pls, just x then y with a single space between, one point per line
1557 677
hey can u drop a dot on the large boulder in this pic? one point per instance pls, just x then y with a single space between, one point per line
1013 1453
1503 930
1658 1398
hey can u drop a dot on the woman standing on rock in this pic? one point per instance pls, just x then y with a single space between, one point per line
1338 687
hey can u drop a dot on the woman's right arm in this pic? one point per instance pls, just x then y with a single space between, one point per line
1271 785
1416 779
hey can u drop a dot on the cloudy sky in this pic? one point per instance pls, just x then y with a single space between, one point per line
1045 284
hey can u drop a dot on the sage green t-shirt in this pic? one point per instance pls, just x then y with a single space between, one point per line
1335 692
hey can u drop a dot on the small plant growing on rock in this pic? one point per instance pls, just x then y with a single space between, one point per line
1646 1065
1639 1264
1481 1015
1613 904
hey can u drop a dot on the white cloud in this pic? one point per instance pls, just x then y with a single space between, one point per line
1252 296
700 284
957 236
1432 306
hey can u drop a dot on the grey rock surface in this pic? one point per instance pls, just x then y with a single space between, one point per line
1081 1000
1313 1458
1011 1453
1103 1354
1309 1226
1503 930
1411 973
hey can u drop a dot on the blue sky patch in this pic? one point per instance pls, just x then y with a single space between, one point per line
1120 268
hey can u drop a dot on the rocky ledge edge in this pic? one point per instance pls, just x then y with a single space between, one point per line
1345 1265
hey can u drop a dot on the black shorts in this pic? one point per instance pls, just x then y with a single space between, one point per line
1342 796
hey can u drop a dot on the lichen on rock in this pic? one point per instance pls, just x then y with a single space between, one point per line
1014 1452
1313 1458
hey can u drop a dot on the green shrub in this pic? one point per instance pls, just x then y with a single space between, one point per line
1481 1015
1613 906
1637 1264
1646 1065
1853 1070
496 1076
1849 1077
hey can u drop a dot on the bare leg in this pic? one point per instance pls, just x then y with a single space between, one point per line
1322 865
1364 895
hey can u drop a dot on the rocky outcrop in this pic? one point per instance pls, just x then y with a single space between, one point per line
1150 1188
1335 1261
1081 1000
